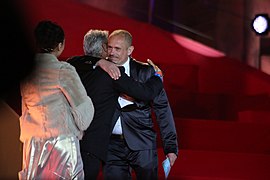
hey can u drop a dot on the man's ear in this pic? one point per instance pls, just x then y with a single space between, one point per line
130 50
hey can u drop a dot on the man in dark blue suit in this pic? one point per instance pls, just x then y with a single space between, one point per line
104 92
133 140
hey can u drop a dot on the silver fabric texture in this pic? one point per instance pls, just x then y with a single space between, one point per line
54 158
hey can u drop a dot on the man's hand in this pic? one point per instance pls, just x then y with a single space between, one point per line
172 157
111 68
158 71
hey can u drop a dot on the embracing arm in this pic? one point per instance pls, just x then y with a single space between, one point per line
143 91
166 125
165 120
109 67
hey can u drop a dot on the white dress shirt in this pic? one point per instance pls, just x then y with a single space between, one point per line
123 102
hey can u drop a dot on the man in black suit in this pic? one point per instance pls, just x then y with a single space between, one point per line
104 92
133 140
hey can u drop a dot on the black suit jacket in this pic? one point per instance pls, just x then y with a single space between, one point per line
138 125
104 92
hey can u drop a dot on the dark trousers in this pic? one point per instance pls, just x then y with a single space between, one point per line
121 160
91 166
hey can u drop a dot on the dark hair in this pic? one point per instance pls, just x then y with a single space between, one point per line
48 35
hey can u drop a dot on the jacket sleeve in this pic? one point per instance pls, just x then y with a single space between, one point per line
81 105
165 120
144 91
83 64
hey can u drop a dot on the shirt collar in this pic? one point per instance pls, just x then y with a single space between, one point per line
126 66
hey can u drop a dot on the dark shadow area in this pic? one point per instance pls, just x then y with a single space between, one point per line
16 53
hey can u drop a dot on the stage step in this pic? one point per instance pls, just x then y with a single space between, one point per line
213 165
226 136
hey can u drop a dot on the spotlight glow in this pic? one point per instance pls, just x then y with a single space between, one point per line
260 24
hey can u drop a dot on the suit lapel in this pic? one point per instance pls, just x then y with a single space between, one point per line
133 69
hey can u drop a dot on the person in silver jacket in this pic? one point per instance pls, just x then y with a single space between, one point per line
55 111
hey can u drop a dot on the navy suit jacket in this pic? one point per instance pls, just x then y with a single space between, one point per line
104 92
137 124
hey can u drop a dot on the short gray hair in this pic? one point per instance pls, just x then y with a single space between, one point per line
123 33
93 42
